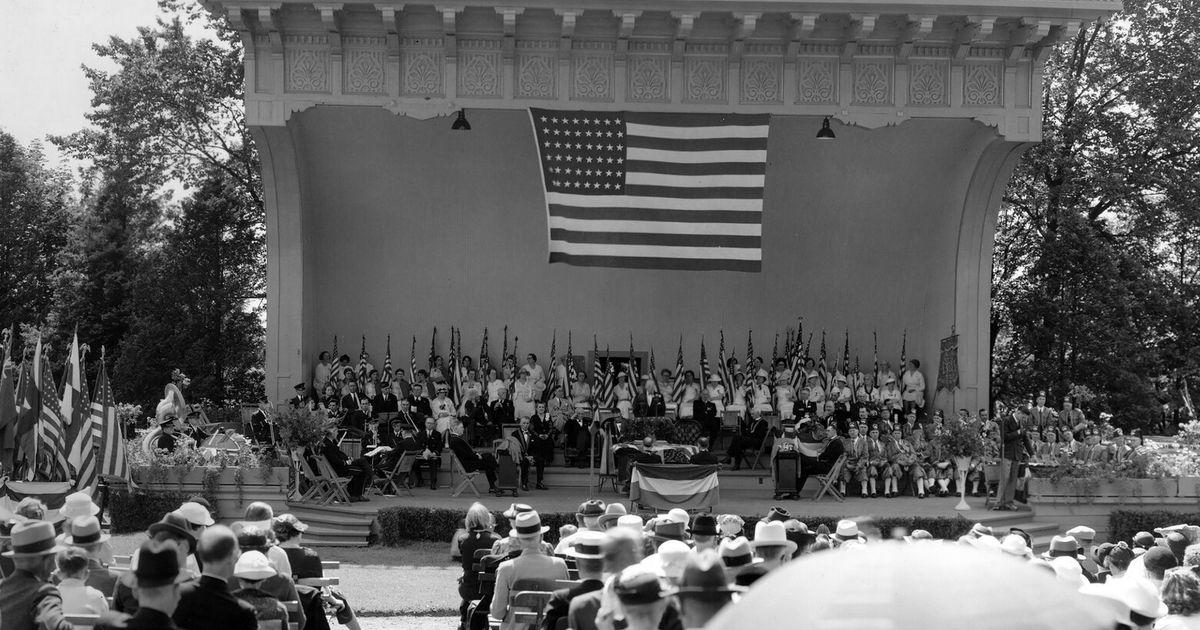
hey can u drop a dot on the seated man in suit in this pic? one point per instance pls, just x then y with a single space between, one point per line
824 461
531 565
300 400
501 411
418 402
471 461
359 471
525 450
353 398
750 440
703 456
355 421
431 444
208 602
385 401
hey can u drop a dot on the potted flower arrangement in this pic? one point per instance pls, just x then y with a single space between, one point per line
298 428
961 442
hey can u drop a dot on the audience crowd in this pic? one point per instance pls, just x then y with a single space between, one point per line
191 574
676 570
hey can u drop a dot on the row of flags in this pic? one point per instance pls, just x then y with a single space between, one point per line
796 353
65 434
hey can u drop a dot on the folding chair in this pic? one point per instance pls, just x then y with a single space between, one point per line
829 481
456 467
529 607
730 423
293 609
772 421
318 488
403 467
339 486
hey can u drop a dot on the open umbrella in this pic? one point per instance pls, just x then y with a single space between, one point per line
911 586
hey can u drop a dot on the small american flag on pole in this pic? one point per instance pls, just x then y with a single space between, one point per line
652 190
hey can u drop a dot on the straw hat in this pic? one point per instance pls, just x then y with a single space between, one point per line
253 565
85 530
772 534
528 525
31 539
78 504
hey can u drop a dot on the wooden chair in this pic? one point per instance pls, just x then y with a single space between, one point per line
391 479
318 489
339 487
468 478
768 439
82 621
293 608
730 425
529 607
829 481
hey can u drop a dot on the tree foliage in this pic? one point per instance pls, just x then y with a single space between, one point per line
1094 272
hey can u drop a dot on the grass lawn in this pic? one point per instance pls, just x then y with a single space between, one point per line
418 579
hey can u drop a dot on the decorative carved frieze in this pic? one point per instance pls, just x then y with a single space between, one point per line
762 80
704 79
982 84
307 69
363 71
873 82
479 73
535 74
928 83
422 72
592 77
816 81
648 78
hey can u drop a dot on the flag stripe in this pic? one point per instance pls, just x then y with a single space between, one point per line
657 215
696 145
655 203
707 182
695 157
709 194
668 119
656 251
711 168
635 129
656 227
660 240
650 262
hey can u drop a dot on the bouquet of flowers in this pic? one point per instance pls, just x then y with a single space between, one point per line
299 428
958 440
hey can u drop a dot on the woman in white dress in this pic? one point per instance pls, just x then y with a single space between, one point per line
623 395
715 393
321 374
785 398
523 395
738 398
762 394
494 385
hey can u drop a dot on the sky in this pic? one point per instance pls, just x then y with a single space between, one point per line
43 43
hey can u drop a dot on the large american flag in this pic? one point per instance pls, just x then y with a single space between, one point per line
654 190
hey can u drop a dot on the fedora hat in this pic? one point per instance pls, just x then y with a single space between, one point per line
713 378
1014 545
665 530
704 575
78 504
777 513
637 584
31 539
528 525
847 530
253 565
196 514
918 535
632 521
156 564
591 508
737 553
174 524
771 534
289 521
1063 546
515 509
679 515
587 544
7 524
1082 533
612 512
979 529
85 530
704 525
252 537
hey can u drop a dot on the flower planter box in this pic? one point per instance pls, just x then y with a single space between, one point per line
1122 491
269 485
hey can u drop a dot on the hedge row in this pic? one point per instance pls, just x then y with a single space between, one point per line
404 524
1123 524
134 511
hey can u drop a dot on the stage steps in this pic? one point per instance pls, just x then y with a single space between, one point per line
1041 531
335 525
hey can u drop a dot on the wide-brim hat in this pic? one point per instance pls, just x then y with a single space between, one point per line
174 524
612 512
31 539
704 525
713 378
771 534
737 553
587 544
515 509
847 530
1063 546
85 530
253 565
669 530
637 584
777 513
528 525
590 508
704 574
679 515
196 514
979 529
78 504
761 373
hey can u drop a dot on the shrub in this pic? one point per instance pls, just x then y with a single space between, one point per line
134 511
1123 524
403 524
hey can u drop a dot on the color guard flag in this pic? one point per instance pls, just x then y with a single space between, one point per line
108 431
647 190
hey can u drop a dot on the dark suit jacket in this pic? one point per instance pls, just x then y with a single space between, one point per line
146 619
465 454
208 603
704 457
832 452
385 402
337 459
353 402
422 405
501 412
560 604
432 441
